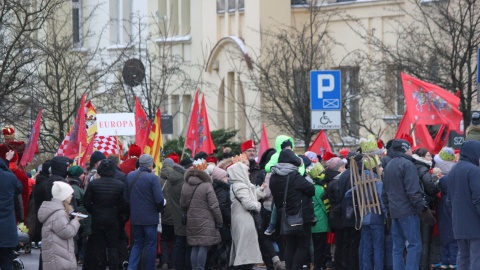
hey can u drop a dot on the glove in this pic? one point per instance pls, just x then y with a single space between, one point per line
427 217
219 225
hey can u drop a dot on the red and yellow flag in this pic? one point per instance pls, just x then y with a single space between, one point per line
154 145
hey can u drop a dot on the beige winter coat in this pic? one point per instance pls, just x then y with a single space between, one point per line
245 249
58 250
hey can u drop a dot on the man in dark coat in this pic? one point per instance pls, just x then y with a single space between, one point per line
39 196
168 234
175 181
464 201
404 200
104 201
144 193
9 188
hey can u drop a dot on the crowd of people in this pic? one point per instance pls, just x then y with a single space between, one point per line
413 210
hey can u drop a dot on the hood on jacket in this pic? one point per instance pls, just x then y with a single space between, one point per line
288 156
280 139
470 152
177 174
46 168
422 160
48 208
472 133
219 184
165 172
195 177
60 166
283 168
238 173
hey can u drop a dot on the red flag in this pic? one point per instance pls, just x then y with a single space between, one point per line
321 144
32 144
142 125
421 136
154 146
191 140
88 153
78 135
429 104
263 142
205 142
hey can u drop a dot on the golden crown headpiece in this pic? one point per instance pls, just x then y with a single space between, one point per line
239 158
200 164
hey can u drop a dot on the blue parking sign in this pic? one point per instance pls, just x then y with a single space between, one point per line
325 90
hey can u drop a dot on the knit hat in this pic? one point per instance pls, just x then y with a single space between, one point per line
286 143
446 154
107 168
344 152
475 119
218 174
168 162
200 155
96 157
334 163
145 160
186 163
174 156
61 190
401 145
134 150
371 162
368 144
312 156
75 171
247 145
389 144
8 132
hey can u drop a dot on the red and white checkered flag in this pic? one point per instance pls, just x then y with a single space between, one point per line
108 145
63 145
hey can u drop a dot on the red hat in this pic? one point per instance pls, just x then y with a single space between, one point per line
174 156
247 145
134 150
328 155
212 159
407 138
344 152
8 132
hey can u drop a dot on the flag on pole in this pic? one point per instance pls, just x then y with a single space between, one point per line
429 104
154 145
32 144
77 142
205 141
320 145
142 125
88 153
421 136
263 142
191 140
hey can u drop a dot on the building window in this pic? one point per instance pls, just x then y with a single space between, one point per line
221 6
394 91
120 21
77 22
241 4
230 5
351 101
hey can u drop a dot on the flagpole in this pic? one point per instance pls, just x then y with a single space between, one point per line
79 153
412 130
118 145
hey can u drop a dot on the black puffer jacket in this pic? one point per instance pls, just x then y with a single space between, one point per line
429 187
104 200
222 190
174 185
299 190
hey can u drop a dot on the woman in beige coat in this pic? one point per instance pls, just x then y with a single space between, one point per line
58 231
245 249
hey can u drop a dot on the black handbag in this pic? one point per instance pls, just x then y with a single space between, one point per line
184 214
257 217
290 224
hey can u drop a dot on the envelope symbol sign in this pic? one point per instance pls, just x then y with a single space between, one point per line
331 103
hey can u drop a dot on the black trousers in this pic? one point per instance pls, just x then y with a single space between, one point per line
298 248
319 249
102 247
351 243
6 258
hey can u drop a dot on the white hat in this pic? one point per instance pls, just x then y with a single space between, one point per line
61 191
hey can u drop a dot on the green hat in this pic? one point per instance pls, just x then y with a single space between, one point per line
75 171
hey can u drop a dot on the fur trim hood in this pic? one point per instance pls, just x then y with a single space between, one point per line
194 177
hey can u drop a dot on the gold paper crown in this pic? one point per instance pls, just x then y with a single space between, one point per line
200 164
239 158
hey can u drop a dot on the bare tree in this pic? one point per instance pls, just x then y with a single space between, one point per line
20 23
436 41
282 76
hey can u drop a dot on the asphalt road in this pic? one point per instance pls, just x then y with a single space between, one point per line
30 261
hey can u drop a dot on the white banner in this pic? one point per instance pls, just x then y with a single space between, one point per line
111 124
